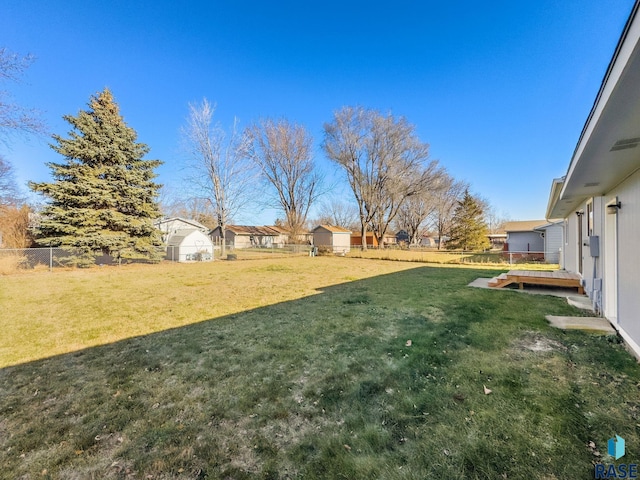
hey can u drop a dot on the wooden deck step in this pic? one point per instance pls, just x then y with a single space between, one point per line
522 277
500 281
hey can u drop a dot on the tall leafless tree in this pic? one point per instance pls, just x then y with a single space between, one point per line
446 201
15 118
415 213
283 153
384 161
196 208
221 172
9 192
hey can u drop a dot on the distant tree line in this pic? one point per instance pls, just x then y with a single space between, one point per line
103 199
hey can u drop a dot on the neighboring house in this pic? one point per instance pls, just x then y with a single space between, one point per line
244 236
169 226
356 240
552 236
337 239
390 239
523 240
189 245
402 237
497 239
428 241
598 199
285 238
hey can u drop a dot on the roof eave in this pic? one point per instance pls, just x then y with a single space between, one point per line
596 165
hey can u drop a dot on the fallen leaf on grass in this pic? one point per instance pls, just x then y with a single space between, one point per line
592 448
486 390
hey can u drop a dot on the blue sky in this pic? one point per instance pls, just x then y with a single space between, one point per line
500 90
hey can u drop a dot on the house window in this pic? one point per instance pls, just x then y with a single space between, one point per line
590 218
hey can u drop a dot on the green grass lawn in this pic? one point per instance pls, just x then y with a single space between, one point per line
301 368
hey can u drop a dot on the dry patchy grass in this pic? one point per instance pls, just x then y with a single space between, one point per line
51 313
443 257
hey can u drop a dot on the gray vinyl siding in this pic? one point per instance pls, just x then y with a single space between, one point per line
525 242
553 243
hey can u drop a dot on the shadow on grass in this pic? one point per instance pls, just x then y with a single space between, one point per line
375 378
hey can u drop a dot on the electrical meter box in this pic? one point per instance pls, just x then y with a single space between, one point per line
594 245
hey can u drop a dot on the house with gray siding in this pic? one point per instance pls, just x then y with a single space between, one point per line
523 240
552 236
598 199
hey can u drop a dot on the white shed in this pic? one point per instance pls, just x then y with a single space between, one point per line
189 245
337 239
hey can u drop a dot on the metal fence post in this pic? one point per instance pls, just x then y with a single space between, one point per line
50 258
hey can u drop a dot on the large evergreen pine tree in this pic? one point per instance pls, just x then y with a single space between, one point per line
103 199
469 230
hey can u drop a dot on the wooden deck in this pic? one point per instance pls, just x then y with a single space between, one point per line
556 278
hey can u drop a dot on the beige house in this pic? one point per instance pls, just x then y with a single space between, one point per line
245 236
285 237
337 239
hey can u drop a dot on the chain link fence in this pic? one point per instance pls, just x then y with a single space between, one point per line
12 259
48 258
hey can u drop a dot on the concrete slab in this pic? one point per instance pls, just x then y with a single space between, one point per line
591 324
580 301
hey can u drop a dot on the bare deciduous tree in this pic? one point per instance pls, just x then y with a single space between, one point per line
384 161
338 212
13 117
283 153
446 201
196 208
9 192
221 173
494 220
414 215
414 184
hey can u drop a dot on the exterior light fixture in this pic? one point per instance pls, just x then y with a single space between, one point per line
613 208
